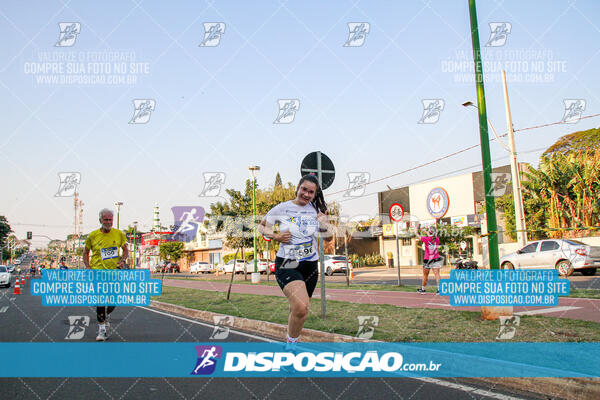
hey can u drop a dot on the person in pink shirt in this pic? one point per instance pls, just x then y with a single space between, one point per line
432 259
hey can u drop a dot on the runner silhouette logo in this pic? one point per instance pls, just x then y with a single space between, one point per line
207 359
187 222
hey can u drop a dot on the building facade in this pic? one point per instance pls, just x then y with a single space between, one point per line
456 200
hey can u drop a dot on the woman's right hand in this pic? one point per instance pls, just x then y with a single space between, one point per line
284 237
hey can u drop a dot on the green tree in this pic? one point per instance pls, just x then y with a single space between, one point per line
577 141
277 180
5 230
561 198
234 217
171 251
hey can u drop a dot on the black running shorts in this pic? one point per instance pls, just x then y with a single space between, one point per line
306 271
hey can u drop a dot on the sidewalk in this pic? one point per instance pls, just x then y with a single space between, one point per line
406 271
572 308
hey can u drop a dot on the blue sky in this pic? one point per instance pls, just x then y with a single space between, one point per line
215 106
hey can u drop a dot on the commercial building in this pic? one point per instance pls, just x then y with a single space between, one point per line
456 200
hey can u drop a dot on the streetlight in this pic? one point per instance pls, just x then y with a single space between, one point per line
514 168
253 174
118 204
135 223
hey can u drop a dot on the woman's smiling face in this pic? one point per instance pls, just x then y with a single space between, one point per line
306 193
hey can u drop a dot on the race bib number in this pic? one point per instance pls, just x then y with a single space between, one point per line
432 247
301 252
109 252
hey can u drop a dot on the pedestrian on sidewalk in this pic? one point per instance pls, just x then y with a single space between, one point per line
432 259
296 262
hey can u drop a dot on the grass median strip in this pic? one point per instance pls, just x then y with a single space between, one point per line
577 293
396 324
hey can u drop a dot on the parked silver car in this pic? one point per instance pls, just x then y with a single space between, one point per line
566 255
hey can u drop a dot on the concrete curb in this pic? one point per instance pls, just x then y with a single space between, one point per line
269 329
555 388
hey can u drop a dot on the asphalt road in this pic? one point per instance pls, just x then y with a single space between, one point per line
24 319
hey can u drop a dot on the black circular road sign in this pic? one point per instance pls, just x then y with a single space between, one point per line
312 162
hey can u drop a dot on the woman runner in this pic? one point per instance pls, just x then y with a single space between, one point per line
432 259
296 263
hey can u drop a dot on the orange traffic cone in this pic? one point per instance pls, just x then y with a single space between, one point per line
17 287
351 273
22 281
27 276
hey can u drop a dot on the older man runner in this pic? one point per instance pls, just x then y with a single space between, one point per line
104 244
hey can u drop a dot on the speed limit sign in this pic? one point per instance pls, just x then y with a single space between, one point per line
396 212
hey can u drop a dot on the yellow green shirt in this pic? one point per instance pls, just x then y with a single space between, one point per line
105 248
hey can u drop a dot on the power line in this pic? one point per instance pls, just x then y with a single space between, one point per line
457 153
441 175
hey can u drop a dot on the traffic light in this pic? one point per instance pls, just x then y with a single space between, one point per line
29 235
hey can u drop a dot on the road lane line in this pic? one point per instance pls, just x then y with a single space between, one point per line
547 310
3 309
208 325
469 389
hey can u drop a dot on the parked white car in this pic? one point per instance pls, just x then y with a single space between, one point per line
201 267
261 266
335 263
4 276
566 255
240 266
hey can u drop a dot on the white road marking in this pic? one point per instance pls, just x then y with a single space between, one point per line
440 304
3 309
208 325
12 298
470 389
546 310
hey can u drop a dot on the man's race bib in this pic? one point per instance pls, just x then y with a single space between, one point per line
109 252
300 252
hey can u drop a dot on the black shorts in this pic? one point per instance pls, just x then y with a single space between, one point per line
306 271
433 263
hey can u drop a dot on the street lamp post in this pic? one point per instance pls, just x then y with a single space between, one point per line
253 173
134 243
486 161
118 204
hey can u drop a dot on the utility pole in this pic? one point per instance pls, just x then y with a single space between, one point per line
75 222
79 233
516 173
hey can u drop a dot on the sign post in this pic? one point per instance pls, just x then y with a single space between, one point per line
318 164
396 213
268 257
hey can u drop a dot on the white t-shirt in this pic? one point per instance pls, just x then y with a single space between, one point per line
302 223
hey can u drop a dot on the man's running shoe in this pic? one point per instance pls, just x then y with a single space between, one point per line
101 335
107 323
421 290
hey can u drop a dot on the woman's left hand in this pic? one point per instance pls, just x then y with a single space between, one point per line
322 218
